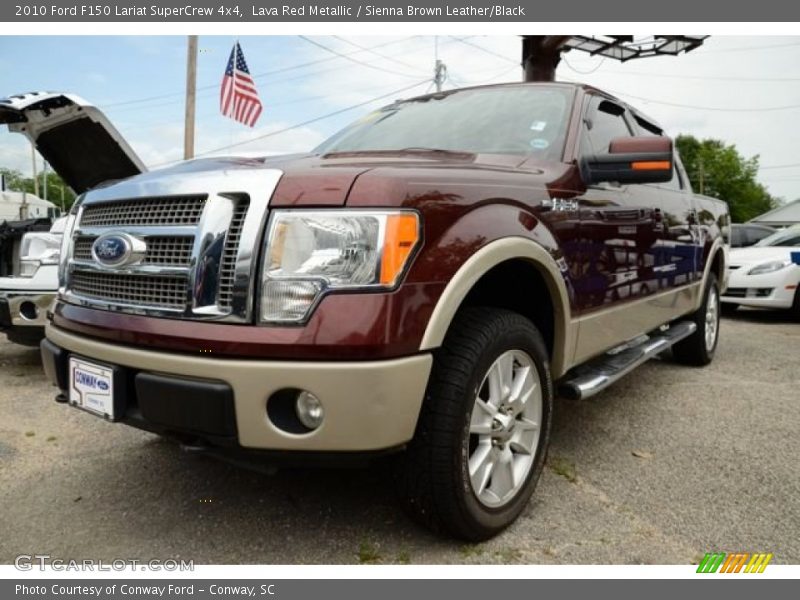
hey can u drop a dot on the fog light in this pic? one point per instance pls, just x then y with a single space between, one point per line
309 410
28 310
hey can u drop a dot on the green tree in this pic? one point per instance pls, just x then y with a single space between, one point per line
17 182
718 170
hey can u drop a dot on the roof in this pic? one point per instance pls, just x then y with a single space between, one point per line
16 198
786 213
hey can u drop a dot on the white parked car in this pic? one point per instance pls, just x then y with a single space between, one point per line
766 275
28 293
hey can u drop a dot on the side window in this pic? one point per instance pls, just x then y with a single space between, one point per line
604 122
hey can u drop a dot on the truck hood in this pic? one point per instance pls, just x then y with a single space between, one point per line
305 179
75 137
310 179
753 256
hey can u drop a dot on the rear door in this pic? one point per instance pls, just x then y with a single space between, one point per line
676 254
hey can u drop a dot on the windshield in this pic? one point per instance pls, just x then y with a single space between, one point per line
787 237
521 120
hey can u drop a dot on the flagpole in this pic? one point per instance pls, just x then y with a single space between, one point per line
235 59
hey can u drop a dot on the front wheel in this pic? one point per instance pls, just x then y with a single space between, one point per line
484 429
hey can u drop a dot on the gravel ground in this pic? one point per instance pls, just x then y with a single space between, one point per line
669 463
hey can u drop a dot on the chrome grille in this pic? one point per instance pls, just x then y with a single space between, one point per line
83 248
161 250
194 265
173 250
227 270
157 211
146 290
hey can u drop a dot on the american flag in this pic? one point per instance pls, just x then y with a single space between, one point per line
239 98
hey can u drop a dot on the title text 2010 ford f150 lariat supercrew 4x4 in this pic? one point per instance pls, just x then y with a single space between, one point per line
424 282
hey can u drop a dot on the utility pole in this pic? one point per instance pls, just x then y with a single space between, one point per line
439 74
702 177
191 90
44 179
439 68
35 175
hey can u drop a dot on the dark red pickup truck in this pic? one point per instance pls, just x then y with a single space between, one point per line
423 282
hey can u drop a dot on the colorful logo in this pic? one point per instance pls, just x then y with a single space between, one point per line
735 562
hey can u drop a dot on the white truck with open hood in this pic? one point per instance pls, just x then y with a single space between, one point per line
82 146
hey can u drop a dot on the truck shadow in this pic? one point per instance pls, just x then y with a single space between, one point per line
240 513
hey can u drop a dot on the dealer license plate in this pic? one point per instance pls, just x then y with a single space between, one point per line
91 387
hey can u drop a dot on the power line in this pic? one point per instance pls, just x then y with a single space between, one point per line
701 77
265 73
268 104
355 60
304 123
463 40
749 48
597 66
371 51
788 166
212 89
709 108
459 82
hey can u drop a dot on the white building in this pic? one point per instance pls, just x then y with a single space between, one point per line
785 215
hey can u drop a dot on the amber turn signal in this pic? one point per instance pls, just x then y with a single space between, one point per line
400 239
651 165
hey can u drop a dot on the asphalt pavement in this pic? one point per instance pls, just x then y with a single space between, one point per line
666 465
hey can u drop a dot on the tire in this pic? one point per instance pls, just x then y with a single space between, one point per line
698 349
795 310
457 423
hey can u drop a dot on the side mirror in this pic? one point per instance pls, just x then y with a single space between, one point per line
646 159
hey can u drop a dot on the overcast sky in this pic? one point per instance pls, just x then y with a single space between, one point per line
743 90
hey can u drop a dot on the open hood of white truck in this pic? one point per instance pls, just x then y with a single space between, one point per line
75 137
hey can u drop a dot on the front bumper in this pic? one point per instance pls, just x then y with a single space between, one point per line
769 290
23 315
369 406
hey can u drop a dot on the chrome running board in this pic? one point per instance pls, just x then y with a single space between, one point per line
594 376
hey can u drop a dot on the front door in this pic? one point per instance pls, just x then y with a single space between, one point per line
619 223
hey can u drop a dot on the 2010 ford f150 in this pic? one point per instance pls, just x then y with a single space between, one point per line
424 282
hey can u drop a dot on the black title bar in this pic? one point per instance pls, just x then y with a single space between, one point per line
522 11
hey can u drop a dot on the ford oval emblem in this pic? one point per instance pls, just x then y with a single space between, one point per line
112 249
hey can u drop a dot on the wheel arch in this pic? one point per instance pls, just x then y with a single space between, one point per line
716 263
472 280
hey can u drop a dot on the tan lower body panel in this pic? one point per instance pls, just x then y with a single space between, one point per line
607 328
368 405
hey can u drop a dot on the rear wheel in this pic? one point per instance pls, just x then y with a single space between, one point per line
484 429
698 349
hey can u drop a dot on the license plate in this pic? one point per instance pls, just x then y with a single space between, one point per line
91 387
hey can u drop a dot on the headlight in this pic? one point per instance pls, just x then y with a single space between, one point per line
769 267
311 252
38 248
